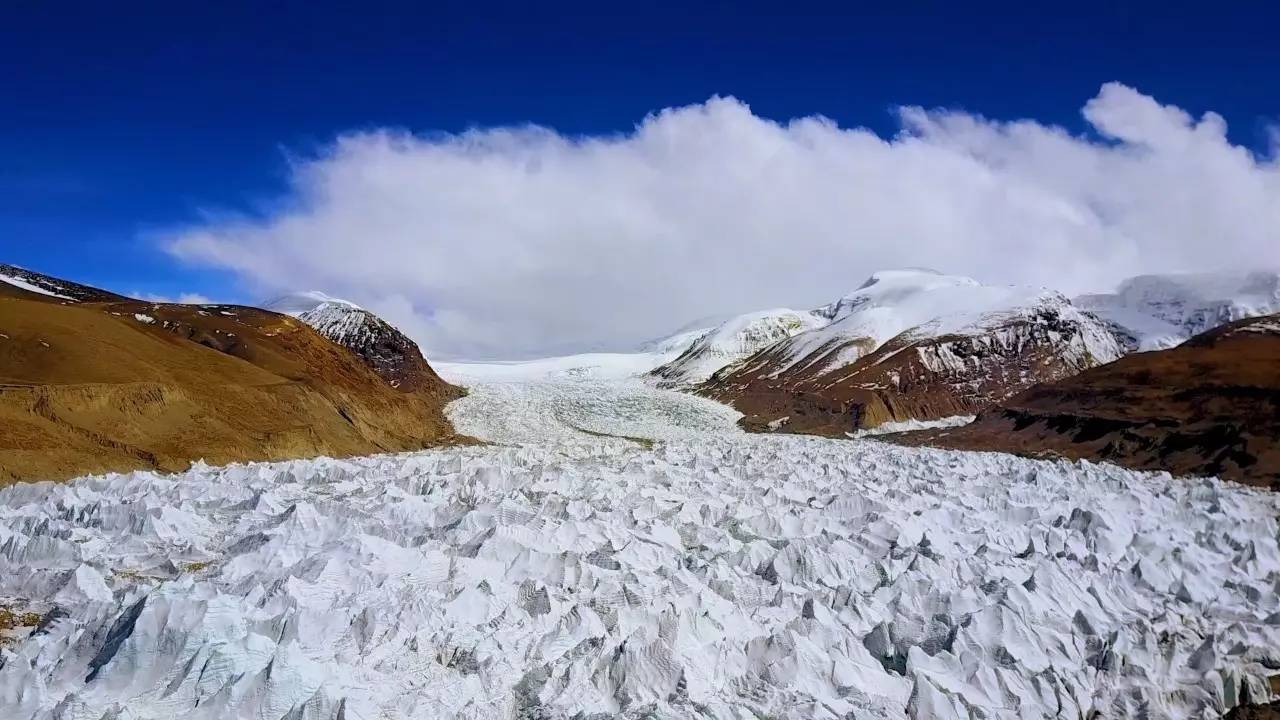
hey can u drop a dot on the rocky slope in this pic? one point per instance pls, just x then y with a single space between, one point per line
912 345
91 381
1210 406
388 351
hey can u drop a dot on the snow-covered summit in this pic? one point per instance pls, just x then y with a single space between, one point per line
926 303
383 347
735 339
923 302
297 303
890 287
675 343
1160 311
342 321
913 345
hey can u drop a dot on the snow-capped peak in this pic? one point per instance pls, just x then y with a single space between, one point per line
894 301
887 304
735 339
299 302
892 287
382 347
340 320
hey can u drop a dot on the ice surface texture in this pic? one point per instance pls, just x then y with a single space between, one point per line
718 576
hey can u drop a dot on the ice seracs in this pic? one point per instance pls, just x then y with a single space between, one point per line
723 576
621 550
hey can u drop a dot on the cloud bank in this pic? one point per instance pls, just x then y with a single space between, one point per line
182 299
512 242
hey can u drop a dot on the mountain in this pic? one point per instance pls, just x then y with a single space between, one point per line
52 287
1152 312
912 345
91 381
388 351
1210 406
730 341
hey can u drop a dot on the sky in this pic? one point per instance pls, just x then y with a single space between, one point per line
532 179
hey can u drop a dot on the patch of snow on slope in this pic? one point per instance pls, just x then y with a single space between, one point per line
29 287
718 576
1270 326
1161 311
909 425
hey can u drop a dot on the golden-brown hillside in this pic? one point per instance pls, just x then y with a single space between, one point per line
108 383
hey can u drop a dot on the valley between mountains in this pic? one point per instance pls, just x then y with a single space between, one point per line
788 513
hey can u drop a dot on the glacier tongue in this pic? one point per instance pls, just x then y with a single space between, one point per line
713 574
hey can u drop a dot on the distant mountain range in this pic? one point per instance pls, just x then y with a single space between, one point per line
1169 371
912 345
916 345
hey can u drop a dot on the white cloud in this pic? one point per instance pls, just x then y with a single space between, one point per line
184 298
516 241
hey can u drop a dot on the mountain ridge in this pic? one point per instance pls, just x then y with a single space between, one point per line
383 347
108 384
907 345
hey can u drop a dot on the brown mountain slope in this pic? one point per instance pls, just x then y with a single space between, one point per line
1210 406
91 386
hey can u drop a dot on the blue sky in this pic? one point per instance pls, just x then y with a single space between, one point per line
117 125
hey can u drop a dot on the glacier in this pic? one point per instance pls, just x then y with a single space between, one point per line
622 550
